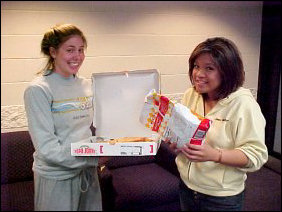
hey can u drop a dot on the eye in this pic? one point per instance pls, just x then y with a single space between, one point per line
195 66
69 50
209 69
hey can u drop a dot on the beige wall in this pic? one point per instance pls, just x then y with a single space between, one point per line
129 35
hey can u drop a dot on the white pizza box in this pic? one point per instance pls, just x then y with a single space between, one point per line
118 99
117 149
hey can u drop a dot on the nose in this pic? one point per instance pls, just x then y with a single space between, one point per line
78 54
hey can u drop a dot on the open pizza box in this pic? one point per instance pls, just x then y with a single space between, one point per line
118 101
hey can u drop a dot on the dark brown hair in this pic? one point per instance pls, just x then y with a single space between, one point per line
55 37
228 60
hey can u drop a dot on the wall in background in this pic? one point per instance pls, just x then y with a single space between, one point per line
123 36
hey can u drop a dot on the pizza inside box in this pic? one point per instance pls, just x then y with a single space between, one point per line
118 101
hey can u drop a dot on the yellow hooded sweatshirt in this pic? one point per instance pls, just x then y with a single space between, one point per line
237 123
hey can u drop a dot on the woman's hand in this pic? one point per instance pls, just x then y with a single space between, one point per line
172 145
200 153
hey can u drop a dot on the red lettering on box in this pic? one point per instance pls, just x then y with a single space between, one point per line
89 151
84 149
152 148
78 151
101 149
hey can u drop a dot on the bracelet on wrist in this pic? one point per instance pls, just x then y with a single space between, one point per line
220 155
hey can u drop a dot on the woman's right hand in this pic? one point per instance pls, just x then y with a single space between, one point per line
172 145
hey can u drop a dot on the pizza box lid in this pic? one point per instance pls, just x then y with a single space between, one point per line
118 101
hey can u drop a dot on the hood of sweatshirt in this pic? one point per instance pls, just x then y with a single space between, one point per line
240 92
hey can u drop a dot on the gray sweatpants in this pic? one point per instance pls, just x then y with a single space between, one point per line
80 193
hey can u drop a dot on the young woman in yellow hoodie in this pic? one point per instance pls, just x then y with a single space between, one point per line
213 175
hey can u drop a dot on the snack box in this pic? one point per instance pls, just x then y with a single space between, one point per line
108 148
173 121
156 112
118 101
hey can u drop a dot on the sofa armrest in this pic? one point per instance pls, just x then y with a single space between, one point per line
107 189
166 158
16 157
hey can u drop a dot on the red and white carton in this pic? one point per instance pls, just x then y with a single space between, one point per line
173 121
118 101
186 126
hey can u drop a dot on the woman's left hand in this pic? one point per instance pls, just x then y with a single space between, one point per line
200 153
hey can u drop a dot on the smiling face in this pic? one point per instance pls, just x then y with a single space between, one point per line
69 56
206 76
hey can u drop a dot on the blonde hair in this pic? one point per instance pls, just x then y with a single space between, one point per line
55 37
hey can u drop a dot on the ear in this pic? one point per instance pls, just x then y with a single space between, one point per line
52 52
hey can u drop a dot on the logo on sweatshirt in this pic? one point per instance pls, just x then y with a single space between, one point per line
69 105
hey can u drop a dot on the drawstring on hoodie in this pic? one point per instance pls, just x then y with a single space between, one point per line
85 177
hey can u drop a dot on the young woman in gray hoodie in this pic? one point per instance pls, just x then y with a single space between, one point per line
59 110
